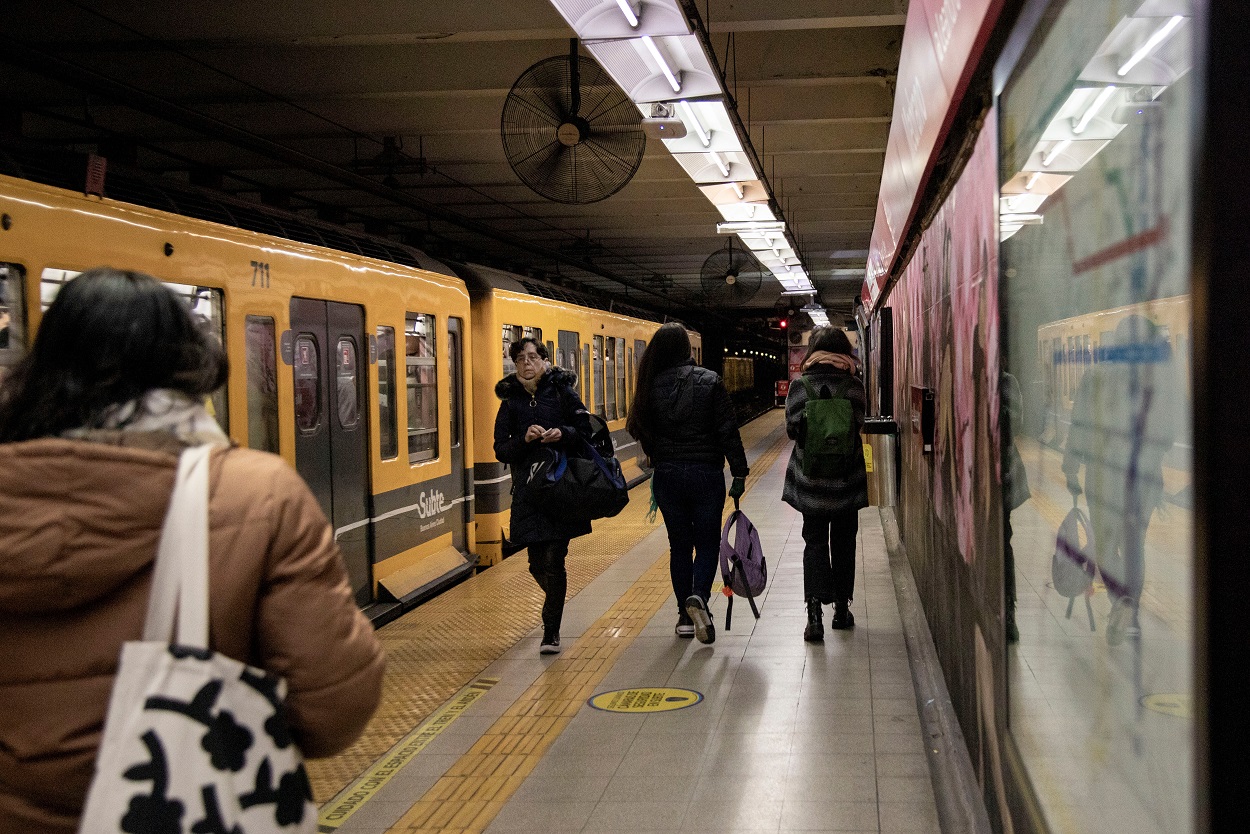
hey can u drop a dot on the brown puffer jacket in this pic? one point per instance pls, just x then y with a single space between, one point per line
79 524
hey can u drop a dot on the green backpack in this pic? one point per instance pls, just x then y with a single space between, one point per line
829 450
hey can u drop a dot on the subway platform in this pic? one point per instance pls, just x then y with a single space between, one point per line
758 731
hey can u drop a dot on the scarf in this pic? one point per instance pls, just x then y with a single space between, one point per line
837 360
530 385
159 410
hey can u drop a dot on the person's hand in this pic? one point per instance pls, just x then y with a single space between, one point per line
1074 486
552 436
738 487
534 433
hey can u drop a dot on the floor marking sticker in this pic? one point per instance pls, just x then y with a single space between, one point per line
650 699
335 812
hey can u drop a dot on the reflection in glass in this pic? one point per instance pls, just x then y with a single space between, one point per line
422 373
1096 189
262 384
388 419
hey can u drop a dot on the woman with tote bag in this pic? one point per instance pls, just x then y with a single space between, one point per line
92 426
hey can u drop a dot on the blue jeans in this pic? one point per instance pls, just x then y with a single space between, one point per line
691 497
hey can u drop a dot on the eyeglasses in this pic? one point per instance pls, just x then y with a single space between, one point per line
529 358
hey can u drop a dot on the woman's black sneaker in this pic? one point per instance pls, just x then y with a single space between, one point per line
685 626
696 609
551 642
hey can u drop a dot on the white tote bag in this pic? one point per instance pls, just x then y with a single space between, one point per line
193 741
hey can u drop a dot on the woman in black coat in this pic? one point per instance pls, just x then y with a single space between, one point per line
539 406
830 505
684 419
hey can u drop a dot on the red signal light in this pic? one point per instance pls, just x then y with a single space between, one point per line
785 323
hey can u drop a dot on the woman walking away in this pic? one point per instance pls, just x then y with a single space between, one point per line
684 419
539 406
92 423
828 489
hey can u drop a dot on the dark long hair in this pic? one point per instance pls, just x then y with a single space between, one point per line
830 339
669 346
108 338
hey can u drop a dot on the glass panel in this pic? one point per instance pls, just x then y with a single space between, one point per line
307 384
262 384
585 377
388 419
12 317
511 333
422 388
345 378
609 379
205 303
455 384
600 400
1095 223
620 376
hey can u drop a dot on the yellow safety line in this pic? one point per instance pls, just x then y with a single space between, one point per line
338 810
472 792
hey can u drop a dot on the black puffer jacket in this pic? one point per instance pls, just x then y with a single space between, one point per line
554 404
692 420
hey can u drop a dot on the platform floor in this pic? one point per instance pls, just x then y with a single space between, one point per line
478 732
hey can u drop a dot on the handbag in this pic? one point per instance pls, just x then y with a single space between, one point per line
1072 567
193 740
578 488
743 569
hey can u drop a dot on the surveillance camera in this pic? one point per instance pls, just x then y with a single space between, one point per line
664 128
1134 111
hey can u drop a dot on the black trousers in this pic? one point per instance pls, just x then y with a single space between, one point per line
547 568
829 556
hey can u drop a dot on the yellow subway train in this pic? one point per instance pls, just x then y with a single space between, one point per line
374 379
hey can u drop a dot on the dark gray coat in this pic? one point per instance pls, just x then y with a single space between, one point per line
692 420
823 497
554 405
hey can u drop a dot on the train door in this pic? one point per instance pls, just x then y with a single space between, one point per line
461 515
331 441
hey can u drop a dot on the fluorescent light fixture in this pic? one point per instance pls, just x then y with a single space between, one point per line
1099 102
737 189
1055 150
693 120
669 75
630 10
799 292
1029 183
1151 44
720 164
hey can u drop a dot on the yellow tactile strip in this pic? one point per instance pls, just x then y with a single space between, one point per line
435 649
472 792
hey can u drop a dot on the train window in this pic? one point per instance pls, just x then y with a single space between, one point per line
388 422
629 380
609 378
640 345
307 384
535 333
346 380
422 388
206 306
12 317
620 376
511 333
597 359
262 383
566 350
585 377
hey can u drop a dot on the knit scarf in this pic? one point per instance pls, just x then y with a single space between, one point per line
838 360
159 410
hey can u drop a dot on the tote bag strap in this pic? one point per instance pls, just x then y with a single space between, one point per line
180 577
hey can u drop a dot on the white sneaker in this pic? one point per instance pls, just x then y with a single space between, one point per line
696 609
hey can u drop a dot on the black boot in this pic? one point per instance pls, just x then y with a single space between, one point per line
815 630
842 617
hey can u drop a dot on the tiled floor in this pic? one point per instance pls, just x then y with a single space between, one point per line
789 736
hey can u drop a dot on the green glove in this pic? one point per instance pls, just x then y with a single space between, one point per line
738 487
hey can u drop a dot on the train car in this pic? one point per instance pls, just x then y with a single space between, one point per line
1068 347
739 374
602 348
349 367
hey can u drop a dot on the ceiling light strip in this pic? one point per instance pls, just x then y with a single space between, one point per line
1099 102
704 136
1151 44
673 81
630 11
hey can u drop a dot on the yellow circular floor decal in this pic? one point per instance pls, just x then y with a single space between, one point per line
1168 703
652 699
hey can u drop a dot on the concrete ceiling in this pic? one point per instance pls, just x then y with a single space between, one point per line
286 101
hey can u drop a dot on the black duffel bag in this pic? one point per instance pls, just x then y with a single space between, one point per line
582 487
